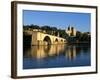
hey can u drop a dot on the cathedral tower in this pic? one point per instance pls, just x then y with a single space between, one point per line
71 31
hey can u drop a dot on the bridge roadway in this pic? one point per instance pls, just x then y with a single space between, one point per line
40 38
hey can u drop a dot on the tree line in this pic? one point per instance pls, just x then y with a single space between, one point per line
86 36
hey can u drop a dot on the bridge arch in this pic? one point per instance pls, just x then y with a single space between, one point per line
56 40
61 40
47 40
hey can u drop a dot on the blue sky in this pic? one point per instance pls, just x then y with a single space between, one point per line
61 20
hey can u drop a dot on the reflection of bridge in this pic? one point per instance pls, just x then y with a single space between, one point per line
45 51
40 52
40 38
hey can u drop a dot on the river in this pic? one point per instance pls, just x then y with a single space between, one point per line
53 56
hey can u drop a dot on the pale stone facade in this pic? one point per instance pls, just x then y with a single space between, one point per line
71 31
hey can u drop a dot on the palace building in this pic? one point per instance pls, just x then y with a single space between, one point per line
71 31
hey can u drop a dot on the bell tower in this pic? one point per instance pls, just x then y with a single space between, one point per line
71 31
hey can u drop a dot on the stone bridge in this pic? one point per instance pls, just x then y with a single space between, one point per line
40 38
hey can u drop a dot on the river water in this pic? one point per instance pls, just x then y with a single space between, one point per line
52 56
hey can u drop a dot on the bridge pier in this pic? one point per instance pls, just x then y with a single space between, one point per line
34 39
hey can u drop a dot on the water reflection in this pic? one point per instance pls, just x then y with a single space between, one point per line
43 51
71 52
70 55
